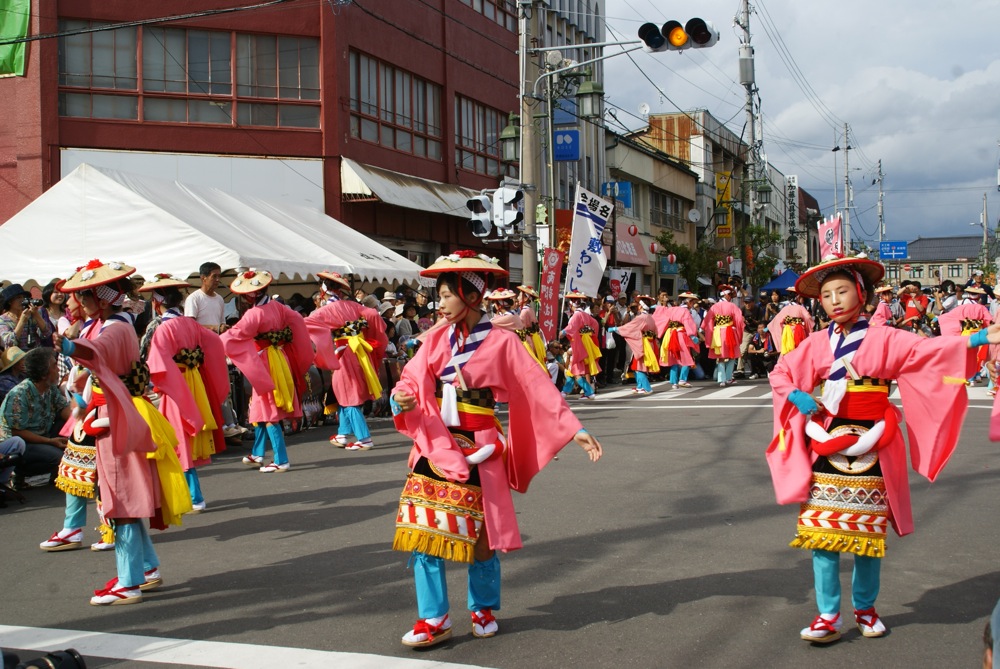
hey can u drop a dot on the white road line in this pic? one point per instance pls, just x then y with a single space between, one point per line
727 393
201 653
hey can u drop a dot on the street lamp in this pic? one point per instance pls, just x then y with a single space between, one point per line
763 192
588 98
510 140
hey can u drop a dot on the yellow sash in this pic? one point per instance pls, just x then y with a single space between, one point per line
717 340
787 339
281 374
361 348
593 353
175 498
539 344
649 355
203 444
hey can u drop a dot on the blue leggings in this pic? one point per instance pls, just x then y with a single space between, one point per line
724 370
134 554
76 512
272 431
432 586
194 485
678 371
864 584
352 421
581 381
642 382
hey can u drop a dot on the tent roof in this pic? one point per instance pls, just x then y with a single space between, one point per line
783 281
168 226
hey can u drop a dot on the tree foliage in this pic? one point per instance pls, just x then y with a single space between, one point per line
760 265
691 263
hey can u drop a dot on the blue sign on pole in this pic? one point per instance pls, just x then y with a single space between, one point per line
564 112
566 144
667 267
622 190
892 251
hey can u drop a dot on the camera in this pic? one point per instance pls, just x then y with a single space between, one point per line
34 302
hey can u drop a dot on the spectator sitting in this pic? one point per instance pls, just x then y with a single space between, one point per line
761 353
11 370
21 323
34 410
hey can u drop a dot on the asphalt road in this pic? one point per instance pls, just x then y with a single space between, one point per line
669 552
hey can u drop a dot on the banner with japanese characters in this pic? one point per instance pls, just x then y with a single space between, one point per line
618 280
830 237
548 293
586 260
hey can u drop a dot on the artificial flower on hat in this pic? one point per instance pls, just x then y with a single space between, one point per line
251 281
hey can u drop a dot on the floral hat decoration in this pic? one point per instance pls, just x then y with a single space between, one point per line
502 294
162 282
251 281
861 267
469 264
96 273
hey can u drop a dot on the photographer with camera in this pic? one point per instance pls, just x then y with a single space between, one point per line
21 323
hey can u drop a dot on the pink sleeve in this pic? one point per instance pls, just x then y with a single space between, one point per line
777 324
375 335
240 347
169 380
631 332
320 323
301 358
214 370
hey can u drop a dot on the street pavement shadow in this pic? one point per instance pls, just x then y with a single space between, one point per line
957 603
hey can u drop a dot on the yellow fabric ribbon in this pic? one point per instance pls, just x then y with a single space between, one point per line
539 344
175 498
530 348
361 348
665 346
593 353
281 374
717 340
649 355
787 339
203 444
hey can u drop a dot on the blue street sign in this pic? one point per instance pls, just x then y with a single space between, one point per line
892 251
667 267
622 190
566 144
564 112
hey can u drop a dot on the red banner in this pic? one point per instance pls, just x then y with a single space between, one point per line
829 238
548 293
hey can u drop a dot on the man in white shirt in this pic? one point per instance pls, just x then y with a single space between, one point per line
205 305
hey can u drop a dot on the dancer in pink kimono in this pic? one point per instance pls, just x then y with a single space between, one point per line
582 331
640 335
456 504
270 345
790 327
679 335
504 316
967 319
843 459
187 365
723 326
882 316
138 474
526 297
350 340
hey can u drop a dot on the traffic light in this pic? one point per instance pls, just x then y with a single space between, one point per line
506 210
672 36
481 220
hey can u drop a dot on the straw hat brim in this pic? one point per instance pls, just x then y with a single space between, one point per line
576 296
479 265
162 284
688 295
85 278
528 290
975 290
502 295
258 282
336 278
10 357
883 289
809 283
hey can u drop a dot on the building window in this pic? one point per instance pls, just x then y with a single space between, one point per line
664 210
917 272
394 108
972 267
187 76
504 12
955 271
934 272
892 272
477 137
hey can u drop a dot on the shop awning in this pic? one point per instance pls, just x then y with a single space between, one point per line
631 250
365 182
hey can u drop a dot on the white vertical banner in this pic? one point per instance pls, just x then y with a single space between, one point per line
618 280
586 261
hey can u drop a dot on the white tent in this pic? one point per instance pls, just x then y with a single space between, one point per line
168 226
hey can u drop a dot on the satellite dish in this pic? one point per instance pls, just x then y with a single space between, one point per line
553 58
644 110
694 215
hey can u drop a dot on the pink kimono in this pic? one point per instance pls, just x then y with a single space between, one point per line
678 342
349 381
581 319
177 403
128 483
508 321
632 333
882 315
931 376
528 317
723 342
247 354
799 331
541 423
953 322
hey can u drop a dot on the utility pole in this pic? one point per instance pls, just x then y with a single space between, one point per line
748 81
847 194
986 227
881 211
527 174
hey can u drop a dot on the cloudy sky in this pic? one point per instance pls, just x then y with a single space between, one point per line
918 82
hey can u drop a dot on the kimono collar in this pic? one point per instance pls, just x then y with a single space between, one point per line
173 312
843 346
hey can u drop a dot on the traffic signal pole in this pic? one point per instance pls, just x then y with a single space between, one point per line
528 11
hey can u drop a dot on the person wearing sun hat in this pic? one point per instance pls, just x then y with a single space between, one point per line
843 459
790 327
527 296
460 473
270 344
582 330
723 326
138 474
350 340
640 335
882 316
187 365
679 334
504 316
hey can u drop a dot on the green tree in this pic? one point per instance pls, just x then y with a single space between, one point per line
760 265
692 263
